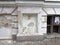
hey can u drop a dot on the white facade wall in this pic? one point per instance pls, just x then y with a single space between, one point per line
16 17
17 20
39 12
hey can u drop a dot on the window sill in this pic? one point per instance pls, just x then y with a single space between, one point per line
54 35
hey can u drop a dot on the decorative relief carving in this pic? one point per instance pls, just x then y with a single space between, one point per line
24 29
29 24
27 30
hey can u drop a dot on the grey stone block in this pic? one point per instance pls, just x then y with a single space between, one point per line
30 38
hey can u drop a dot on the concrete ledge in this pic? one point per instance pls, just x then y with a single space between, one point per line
54 35
30 38
5 38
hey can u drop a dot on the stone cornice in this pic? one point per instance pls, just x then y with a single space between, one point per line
7 4
30 3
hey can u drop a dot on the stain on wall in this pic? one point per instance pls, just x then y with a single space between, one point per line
4 21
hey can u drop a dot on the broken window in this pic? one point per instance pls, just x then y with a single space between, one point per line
53 24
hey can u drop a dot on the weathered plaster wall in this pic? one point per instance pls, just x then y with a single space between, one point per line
18 19
7 22
40 14
5 26
41 17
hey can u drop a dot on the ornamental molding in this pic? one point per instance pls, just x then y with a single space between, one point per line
30 3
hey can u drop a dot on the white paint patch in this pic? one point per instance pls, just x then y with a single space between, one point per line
5 32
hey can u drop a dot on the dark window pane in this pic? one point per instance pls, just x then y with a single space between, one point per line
48 29
49 19
55 29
